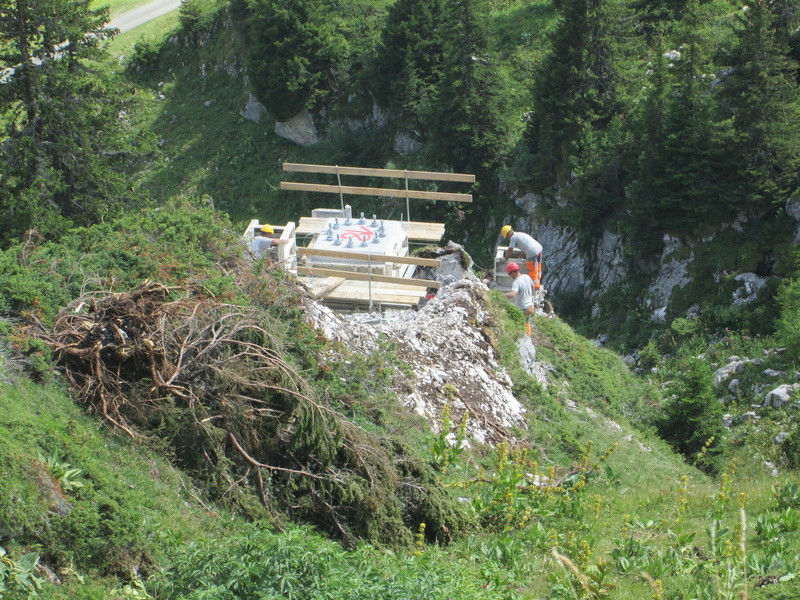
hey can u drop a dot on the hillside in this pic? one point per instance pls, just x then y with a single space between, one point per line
577 469
178 421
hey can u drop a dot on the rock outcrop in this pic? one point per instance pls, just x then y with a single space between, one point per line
451 358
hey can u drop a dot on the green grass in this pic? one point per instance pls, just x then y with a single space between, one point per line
153 31
117 7
86 499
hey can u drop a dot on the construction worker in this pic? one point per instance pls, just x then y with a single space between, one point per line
521 292
531 249
263 241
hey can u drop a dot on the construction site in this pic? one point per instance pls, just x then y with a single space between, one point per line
356 262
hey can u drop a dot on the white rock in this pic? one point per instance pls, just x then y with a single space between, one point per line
780 396
781 437
773 373
405 143
721 374
749 286
253 110
300 129
748 416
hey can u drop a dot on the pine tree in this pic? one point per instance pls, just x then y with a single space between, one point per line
693 170
575 89
760 96
55 113
468 122
409 58
649 140
294 53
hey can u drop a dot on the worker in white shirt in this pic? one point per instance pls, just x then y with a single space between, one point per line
263 241
521 293
522 243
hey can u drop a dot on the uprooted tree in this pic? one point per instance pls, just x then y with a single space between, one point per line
213 381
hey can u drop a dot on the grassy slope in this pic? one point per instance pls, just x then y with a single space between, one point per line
212 150
132 504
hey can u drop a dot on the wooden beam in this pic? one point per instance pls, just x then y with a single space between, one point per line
380 192
326 286
367 257
377 298
427 283
394 173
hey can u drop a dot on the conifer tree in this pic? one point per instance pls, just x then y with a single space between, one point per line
649 138
409 56
468 120
760 95
692 168
294 53
575 89
55 113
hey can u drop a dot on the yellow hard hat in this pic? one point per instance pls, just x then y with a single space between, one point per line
267 229
504 231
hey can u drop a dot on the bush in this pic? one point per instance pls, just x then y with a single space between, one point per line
199 15
788 324
692 417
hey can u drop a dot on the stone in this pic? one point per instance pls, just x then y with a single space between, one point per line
610 255
780 396
527 352
793 207
727 420
253 110
781 437
750 285
659 315
445 340
773 373
300 129
673 273
565 266
405 143
721 374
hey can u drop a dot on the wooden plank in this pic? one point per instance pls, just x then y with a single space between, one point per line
380 192
376 298
367 257
427 283
394 173
362 287
417 230
326 286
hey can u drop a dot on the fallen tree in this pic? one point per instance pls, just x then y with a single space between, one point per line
213 381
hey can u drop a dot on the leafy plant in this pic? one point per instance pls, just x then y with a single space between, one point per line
17 576
63 472
447 446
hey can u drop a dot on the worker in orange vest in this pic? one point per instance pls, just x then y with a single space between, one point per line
522 243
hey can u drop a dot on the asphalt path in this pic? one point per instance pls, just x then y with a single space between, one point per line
138 16
124 22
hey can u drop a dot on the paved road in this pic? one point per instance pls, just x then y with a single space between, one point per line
124 22
133 18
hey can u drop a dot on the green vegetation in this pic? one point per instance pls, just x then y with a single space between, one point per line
240 454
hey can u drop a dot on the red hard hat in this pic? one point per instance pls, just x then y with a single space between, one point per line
512 266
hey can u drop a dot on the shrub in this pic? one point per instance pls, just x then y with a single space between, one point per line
692 418
788 324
